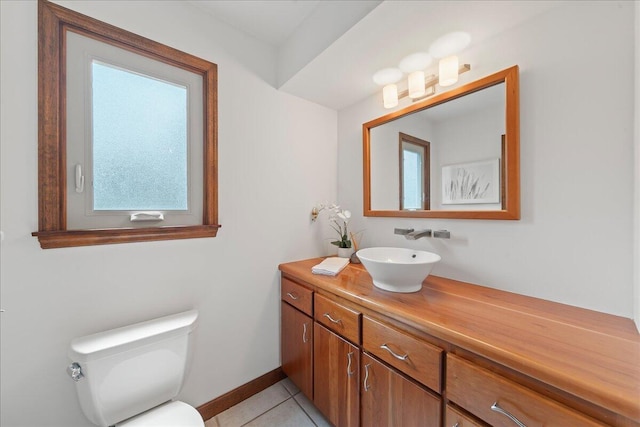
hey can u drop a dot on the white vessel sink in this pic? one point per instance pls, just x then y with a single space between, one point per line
398 269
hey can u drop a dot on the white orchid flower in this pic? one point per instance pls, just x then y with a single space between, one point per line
344 215
338 221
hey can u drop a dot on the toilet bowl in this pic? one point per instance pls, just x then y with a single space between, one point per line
130 376
174 414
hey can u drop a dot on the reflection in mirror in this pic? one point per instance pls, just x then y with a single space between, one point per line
415 161
458 155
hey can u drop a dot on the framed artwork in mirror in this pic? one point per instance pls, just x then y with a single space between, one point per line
471 183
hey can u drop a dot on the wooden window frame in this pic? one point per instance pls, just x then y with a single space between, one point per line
53 23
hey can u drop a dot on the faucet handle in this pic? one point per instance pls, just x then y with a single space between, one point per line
402 231
442 234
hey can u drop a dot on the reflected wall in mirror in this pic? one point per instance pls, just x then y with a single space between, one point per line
458 154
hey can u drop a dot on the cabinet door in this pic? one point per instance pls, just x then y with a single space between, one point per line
336 390
390 400
297 348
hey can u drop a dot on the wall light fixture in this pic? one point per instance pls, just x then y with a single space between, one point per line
420 86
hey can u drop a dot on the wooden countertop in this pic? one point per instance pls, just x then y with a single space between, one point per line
591 355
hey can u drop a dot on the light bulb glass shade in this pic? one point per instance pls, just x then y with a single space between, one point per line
448 71
416 84
414 62
390 96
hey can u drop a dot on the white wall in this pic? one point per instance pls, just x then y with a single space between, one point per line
277 158
574 242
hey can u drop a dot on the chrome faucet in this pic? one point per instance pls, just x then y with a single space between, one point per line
415 235
411 234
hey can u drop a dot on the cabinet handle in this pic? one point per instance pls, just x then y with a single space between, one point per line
304 333
292 296
349 372
397 356
496 408
328 316
456 425
366 377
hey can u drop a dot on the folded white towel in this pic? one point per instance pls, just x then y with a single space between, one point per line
330 266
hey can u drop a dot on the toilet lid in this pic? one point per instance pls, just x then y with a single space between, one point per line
170 414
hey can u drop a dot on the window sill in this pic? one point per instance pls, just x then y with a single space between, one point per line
71 238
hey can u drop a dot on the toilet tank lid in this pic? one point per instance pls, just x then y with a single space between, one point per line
105 343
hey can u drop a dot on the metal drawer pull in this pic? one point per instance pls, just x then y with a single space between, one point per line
328 316
349 372
304 333
366 377
495 407
456 425
292 296
397 356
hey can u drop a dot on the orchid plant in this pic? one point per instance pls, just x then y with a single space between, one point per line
338 220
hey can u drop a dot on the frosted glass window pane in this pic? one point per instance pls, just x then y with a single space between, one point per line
412 180
139 141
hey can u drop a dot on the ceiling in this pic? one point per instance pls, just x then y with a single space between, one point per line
339 70
273 21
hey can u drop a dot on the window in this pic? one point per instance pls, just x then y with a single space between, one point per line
127 136
134 145
142 163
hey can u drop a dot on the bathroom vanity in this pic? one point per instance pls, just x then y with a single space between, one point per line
453 354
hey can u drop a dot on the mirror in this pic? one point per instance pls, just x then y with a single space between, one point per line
454 155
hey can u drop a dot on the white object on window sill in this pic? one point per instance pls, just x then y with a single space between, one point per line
147 216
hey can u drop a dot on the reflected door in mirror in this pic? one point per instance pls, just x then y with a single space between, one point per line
415 162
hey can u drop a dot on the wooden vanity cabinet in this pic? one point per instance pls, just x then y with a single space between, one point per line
388 399
456 354
336 371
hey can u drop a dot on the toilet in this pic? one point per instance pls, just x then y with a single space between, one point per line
129 376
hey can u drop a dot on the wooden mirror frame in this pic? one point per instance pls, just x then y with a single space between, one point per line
53 23
511 153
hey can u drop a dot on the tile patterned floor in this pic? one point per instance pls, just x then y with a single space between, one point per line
281 405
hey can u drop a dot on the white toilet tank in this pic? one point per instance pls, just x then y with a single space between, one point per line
126 371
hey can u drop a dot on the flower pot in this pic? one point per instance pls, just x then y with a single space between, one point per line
345 252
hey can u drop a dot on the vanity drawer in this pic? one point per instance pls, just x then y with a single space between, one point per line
478 390
455 418
297 295
419 359
340 319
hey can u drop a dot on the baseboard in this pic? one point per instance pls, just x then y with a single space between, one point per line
219 404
